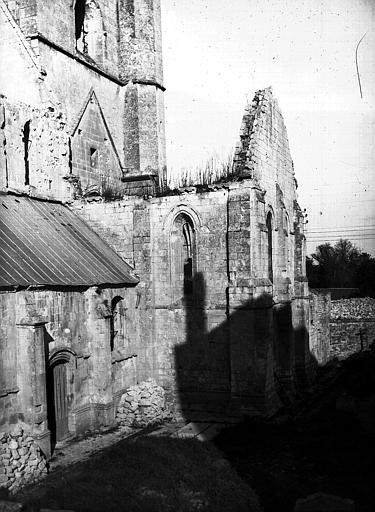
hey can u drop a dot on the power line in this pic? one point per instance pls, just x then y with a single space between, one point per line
351 226
348 227
337 239
340 233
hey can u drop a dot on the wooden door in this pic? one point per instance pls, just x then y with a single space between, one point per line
58 409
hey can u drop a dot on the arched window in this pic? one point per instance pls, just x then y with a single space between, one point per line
183 251
116 323
188 257
79 16
89 29
269 245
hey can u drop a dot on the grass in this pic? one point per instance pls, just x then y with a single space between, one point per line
215 169
148 474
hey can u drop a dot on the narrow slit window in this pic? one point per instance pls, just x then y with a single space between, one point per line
26 147
93 158
115 323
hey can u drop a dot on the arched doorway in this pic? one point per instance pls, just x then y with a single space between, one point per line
57 398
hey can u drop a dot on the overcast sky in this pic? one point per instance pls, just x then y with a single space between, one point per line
218 53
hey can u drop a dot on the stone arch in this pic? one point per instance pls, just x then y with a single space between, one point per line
65 354
182 208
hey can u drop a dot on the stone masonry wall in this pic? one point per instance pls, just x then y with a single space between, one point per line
352 326
21 460
41 55
48 323
178 343
25 159
208 341
55 22
320 308
340 328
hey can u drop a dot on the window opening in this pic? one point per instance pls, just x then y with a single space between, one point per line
79 13
93 158
270 248
26 142
113 321
188 263
90 35
184 255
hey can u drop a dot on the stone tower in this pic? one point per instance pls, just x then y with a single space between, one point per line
141 68
99 63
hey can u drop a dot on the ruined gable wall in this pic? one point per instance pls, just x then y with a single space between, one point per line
263 154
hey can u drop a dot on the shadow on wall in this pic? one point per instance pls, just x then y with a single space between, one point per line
252 363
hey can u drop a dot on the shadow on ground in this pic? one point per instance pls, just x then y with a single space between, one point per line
327 445
148 474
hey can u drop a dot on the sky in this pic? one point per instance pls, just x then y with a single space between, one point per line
218 53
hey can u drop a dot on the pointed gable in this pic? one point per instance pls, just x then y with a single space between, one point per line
95 160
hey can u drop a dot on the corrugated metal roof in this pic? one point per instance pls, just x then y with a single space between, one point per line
45 243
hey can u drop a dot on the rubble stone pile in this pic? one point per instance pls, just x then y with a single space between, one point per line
353 309
142 405
21 460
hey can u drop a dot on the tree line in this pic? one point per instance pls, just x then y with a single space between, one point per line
342 265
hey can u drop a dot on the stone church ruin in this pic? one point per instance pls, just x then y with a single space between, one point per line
108 278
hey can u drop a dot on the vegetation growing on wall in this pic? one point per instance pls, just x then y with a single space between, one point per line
216 168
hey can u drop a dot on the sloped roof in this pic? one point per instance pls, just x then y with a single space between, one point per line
44 243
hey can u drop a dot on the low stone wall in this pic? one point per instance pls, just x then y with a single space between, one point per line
353 309
142 405
21 460
340 328
347 338
352 326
